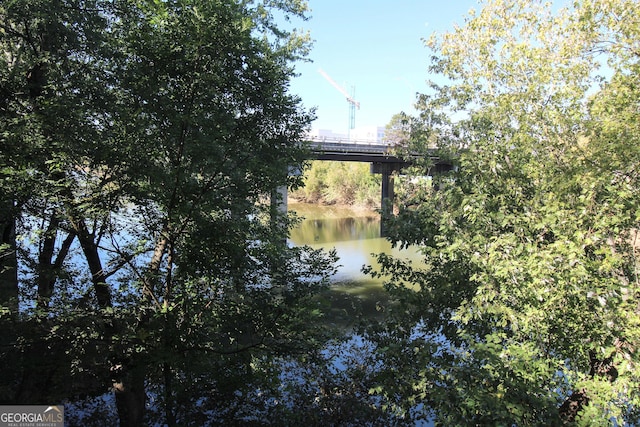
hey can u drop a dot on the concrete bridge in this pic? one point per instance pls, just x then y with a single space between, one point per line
379 155
352 151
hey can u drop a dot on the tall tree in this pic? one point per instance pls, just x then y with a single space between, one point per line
55 96
398 130
525 309
152 133
220 133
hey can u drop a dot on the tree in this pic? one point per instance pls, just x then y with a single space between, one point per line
347 183
398 130
525 309
54 93
152 134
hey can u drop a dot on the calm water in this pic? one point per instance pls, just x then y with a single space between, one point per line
356 237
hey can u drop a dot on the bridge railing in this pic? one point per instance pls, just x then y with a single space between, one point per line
344 141
345 145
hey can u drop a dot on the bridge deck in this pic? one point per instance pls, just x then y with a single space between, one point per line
353 151
367 151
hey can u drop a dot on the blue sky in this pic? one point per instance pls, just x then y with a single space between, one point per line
376 46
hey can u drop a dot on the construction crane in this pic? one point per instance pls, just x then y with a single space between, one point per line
353 104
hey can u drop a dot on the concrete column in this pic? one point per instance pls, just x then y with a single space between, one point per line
281 196
386 170
387 193
279 206
386 200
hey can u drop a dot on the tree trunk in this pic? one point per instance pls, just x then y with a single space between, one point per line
8 263
92 255
573 404
38 366
169 414
46 274
11 359
131 396
39 359
128 377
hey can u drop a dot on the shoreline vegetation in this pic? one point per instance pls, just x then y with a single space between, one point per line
339 184
333 209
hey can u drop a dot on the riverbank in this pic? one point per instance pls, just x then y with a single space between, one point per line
333 210
339 183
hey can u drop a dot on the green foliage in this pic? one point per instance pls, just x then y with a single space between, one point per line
398 131
527 299
344 183
139 142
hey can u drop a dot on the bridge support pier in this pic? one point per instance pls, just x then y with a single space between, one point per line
280 195
279 203
387 170
387 193
279 200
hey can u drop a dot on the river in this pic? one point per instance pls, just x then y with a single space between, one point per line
355 234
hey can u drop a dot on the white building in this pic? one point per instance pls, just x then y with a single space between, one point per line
363 134
326 134
367 134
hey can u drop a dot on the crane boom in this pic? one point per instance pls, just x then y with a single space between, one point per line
340 89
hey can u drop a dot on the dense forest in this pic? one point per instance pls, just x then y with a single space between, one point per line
145 277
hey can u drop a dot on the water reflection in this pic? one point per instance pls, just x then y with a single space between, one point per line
329 230
355 235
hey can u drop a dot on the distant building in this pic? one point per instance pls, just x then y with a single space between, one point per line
367 134
357 134
322 134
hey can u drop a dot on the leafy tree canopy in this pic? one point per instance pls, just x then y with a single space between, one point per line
140 144
525 309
